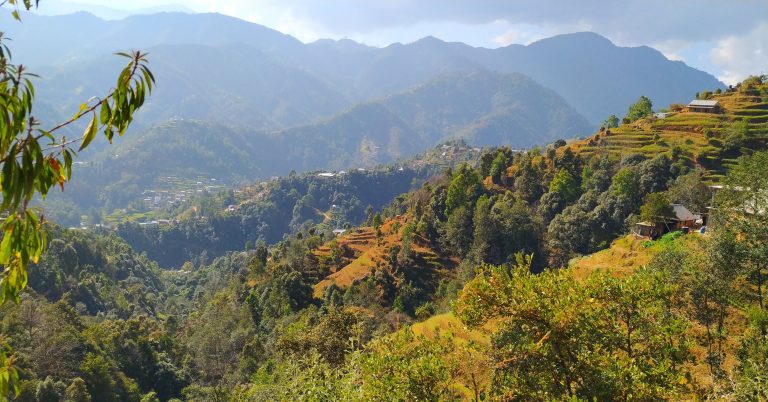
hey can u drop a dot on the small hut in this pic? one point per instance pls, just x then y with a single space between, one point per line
704 106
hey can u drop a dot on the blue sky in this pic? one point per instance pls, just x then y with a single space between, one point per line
728 38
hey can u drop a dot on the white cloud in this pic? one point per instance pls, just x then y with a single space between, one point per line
741 56
523 34
672 48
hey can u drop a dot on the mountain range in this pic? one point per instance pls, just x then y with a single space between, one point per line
265 103
587 70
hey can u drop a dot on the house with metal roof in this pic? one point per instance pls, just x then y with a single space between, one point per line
682 219
704 106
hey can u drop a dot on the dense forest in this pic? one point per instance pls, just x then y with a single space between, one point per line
470 287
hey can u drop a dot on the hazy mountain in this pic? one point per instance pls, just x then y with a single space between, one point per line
249 89
595 76
55 40
104 12
484 107
208 64
598 78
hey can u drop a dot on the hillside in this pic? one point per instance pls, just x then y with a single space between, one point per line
708 140
229 220
483 108
508 275
353 257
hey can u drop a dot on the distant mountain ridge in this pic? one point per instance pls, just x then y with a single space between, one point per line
241 101
371 133
105 12
485 107
596 77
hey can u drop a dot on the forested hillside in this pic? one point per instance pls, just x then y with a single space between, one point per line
457 289
265 213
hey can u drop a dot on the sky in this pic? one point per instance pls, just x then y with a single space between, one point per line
727 38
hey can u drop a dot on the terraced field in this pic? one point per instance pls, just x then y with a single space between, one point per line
360 253
696 138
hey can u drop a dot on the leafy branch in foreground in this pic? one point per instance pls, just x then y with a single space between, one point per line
33 160
31 167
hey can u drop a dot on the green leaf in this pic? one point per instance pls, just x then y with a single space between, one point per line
5 247
90 133
83 106
105 113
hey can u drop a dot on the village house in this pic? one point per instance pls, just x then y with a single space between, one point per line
704 106
683 219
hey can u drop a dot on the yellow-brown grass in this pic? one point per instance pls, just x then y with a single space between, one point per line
366 251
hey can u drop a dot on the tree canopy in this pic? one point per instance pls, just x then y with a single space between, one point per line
642 108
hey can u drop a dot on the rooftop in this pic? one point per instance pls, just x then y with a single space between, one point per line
682 213
704 103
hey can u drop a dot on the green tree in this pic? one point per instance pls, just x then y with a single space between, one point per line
47 390
626 183
528 179
498 169
99 376
77 391
464 189
404 367
559 338
150 397
611 122
566 185
642 108
657 206
458 230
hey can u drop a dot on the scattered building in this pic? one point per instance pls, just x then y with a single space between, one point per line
339 232
683 219
704 106
648 229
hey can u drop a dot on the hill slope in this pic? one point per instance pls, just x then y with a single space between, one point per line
708 140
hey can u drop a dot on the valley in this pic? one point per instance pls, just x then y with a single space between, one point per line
237 214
